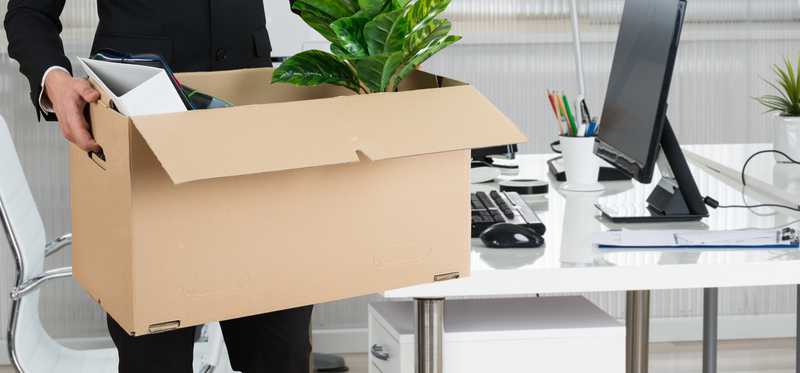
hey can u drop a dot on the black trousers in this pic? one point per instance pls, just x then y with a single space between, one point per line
276 342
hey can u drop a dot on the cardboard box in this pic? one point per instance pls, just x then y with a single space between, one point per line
296 196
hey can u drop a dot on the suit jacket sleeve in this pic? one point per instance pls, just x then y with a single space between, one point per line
33 28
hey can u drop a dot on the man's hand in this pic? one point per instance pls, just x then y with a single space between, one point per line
69 96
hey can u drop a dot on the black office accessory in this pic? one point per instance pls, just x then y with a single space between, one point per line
511 236
556 166
524 187
485 154
635 133
502 207
201 100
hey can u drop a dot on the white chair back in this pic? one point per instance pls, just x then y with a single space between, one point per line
26 235
20 216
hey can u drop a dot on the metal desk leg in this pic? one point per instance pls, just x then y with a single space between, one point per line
637 323
710 318
428 334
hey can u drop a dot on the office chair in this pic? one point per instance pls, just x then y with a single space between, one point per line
30 348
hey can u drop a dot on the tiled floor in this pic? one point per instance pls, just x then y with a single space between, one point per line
750 356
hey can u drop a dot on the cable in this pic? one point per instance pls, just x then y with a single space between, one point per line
744 168
554 145
715 204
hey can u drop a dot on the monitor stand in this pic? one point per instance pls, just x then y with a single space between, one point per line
676 198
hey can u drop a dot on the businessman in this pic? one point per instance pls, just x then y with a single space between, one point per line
192 35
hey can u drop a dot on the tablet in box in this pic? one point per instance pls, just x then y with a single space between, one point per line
296 196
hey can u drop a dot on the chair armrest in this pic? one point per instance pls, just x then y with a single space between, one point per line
28 286
54 246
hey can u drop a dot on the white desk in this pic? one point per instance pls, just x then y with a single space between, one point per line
569 263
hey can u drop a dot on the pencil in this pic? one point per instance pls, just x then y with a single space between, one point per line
562 113
555 112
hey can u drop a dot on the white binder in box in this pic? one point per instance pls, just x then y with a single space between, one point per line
134 89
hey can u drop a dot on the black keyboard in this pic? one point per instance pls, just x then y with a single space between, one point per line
502 207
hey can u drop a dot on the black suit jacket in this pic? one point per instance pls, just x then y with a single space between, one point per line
193 35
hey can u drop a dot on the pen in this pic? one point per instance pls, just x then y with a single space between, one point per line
569 115
590 129
585 110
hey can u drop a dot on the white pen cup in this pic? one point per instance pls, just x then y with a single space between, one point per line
581 165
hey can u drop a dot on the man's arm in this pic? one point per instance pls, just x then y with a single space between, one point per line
33 28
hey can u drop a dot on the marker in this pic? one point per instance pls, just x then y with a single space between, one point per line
569 115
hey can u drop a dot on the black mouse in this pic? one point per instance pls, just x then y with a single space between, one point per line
511 236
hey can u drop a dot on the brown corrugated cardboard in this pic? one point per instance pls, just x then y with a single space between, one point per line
296 196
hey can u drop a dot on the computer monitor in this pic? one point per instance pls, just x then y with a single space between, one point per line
635 133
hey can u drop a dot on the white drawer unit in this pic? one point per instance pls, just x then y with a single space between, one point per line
551 334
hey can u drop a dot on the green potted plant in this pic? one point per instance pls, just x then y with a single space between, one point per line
786 103
375 44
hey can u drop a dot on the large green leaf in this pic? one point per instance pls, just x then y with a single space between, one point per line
371 8
370 71
350 33
332 8
421 56
399 4
422 11
394 62
317 19
351 5
339 51
435 29
376 32
312 68
322 27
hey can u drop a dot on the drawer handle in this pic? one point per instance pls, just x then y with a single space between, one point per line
379 353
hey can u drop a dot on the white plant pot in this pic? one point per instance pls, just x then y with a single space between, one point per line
787 138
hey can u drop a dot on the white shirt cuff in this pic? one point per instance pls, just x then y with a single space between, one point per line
44 102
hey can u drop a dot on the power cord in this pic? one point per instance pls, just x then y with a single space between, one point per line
747 162
711 202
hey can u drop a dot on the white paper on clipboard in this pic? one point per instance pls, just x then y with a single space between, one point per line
746 238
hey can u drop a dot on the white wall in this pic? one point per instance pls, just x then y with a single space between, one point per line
513 50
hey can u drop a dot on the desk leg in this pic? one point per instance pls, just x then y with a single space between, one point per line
710 318
797 336
428 335
637 323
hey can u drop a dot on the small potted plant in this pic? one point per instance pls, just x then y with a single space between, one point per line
786 103
375 44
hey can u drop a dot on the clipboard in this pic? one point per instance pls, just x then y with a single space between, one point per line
786 238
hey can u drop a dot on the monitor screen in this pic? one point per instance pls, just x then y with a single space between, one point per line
635 106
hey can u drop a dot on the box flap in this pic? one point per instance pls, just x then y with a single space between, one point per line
207 144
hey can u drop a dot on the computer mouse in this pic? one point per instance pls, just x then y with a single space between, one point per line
511 236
